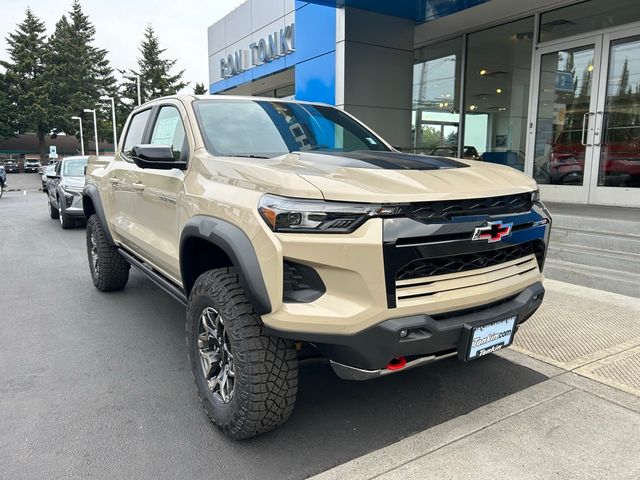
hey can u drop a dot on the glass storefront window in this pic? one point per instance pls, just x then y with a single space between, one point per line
436 111
497 80
587 17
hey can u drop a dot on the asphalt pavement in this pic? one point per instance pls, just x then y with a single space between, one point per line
97 385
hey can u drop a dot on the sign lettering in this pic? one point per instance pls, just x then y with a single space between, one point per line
265 50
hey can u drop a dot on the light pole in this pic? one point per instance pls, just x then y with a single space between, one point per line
81 139
113 120
95 127
137 78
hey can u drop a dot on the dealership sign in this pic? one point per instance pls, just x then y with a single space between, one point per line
265 50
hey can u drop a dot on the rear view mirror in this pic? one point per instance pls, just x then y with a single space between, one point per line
156 156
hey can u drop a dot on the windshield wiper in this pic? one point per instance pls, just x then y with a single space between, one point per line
244 156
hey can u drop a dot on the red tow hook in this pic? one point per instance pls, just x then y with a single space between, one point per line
397 364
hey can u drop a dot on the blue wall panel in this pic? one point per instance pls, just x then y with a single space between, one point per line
315 31
314 58
315 52
419 10
316 79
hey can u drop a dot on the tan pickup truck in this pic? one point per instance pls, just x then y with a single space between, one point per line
291 229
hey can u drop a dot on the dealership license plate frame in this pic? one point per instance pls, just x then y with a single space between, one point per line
472 330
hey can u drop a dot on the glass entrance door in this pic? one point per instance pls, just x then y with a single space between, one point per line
564 128
616 166
584 137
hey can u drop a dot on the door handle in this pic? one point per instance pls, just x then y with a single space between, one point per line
114 181
598 131
585 124
138 187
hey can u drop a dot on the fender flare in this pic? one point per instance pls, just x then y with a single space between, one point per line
90 194
235 243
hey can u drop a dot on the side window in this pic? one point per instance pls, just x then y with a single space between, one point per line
169 130
136 131
58 167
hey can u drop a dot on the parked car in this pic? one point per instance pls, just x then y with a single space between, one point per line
31 166
65 190
3 179
47 170
290 227
11 166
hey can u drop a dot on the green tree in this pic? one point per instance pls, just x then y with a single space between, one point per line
200 89
27 87
81 73
156 78
7 112
431 138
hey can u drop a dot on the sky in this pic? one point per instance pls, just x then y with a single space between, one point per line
180 24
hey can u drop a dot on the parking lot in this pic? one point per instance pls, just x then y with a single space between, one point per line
97 385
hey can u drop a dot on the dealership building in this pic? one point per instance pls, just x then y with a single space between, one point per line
545 86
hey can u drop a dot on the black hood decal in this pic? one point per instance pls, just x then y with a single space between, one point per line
388 160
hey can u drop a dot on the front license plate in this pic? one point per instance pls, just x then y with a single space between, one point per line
491 337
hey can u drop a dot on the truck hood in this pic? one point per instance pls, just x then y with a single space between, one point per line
389 177
371 177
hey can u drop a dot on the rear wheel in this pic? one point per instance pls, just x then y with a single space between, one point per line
247 381
109 271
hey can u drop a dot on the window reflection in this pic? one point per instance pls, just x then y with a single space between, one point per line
563 116
586 17
497 92
436 80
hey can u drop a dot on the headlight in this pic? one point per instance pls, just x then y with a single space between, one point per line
72 190
535 196
296 215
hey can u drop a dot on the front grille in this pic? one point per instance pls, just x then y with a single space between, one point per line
437 212
509 277
429 267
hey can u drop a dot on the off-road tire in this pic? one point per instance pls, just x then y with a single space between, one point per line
266 367
113 270
66 222
53 211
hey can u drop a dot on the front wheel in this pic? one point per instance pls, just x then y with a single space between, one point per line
53 211
66 221
247 381
109 271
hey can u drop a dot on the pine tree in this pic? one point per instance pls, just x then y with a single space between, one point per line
7 112
199 89
156 79
82 74
27 87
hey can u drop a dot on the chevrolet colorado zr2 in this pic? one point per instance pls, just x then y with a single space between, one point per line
287 227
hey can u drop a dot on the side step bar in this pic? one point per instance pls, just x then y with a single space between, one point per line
161 281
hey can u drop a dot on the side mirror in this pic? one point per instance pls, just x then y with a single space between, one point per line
156 156
52 175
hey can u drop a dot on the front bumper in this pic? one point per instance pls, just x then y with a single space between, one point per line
73 203
424 338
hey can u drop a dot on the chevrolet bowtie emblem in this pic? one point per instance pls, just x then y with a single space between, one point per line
492 231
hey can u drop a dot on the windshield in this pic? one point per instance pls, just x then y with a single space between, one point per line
263 128
74 168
